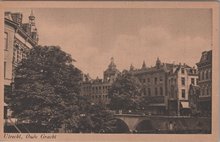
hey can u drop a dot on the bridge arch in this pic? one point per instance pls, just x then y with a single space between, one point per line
145 126
120 126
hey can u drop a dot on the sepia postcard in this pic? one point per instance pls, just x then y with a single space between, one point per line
109 71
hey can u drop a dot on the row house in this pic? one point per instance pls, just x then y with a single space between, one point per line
19 37
180 78
205 81
166 86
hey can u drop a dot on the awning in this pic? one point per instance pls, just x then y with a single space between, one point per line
185 104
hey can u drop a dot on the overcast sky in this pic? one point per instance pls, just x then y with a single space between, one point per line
93 36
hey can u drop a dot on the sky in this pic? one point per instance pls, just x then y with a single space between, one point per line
131 36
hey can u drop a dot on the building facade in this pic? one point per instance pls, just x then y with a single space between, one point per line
194 92
154 81
179 80
205 82
19 37
166 86
97 89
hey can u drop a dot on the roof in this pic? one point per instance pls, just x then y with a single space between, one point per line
112 67
166 67
205 58
15 20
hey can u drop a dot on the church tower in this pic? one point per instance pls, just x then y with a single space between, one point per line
158 63
111 73
34 34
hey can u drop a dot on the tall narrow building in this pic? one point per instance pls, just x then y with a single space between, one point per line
179 80
205 82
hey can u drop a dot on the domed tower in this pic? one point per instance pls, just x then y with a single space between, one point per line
111 73
158 63
34 34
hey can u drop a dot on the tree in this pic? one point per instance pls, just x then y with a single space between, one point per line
46 88
95 118
125 92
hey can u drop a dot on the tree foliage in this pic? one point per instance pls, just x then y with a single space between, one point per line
46 87
96 118
47 92
125 92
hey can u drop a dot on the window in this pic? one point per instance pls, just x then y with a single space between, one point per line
6 41
197 81
155 80
183 93
148 80
203 76
207 75
18 55
171 80
156 91
161 79
149 91
4 69
183 81
193 81
143 80
207 91
161 91
210 75
201 92
144 91
174 80
5 112
182 70
200 76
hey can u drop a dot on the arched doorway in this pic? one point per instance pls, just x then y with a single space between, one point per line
145 126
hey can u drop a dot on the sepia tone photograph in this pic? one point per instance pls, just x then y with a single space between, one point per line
116 70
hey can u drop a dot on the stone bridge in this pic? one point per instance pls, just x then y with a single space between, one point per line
141 123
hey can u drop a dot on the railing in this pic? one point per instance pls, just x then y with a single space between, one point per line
158 116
